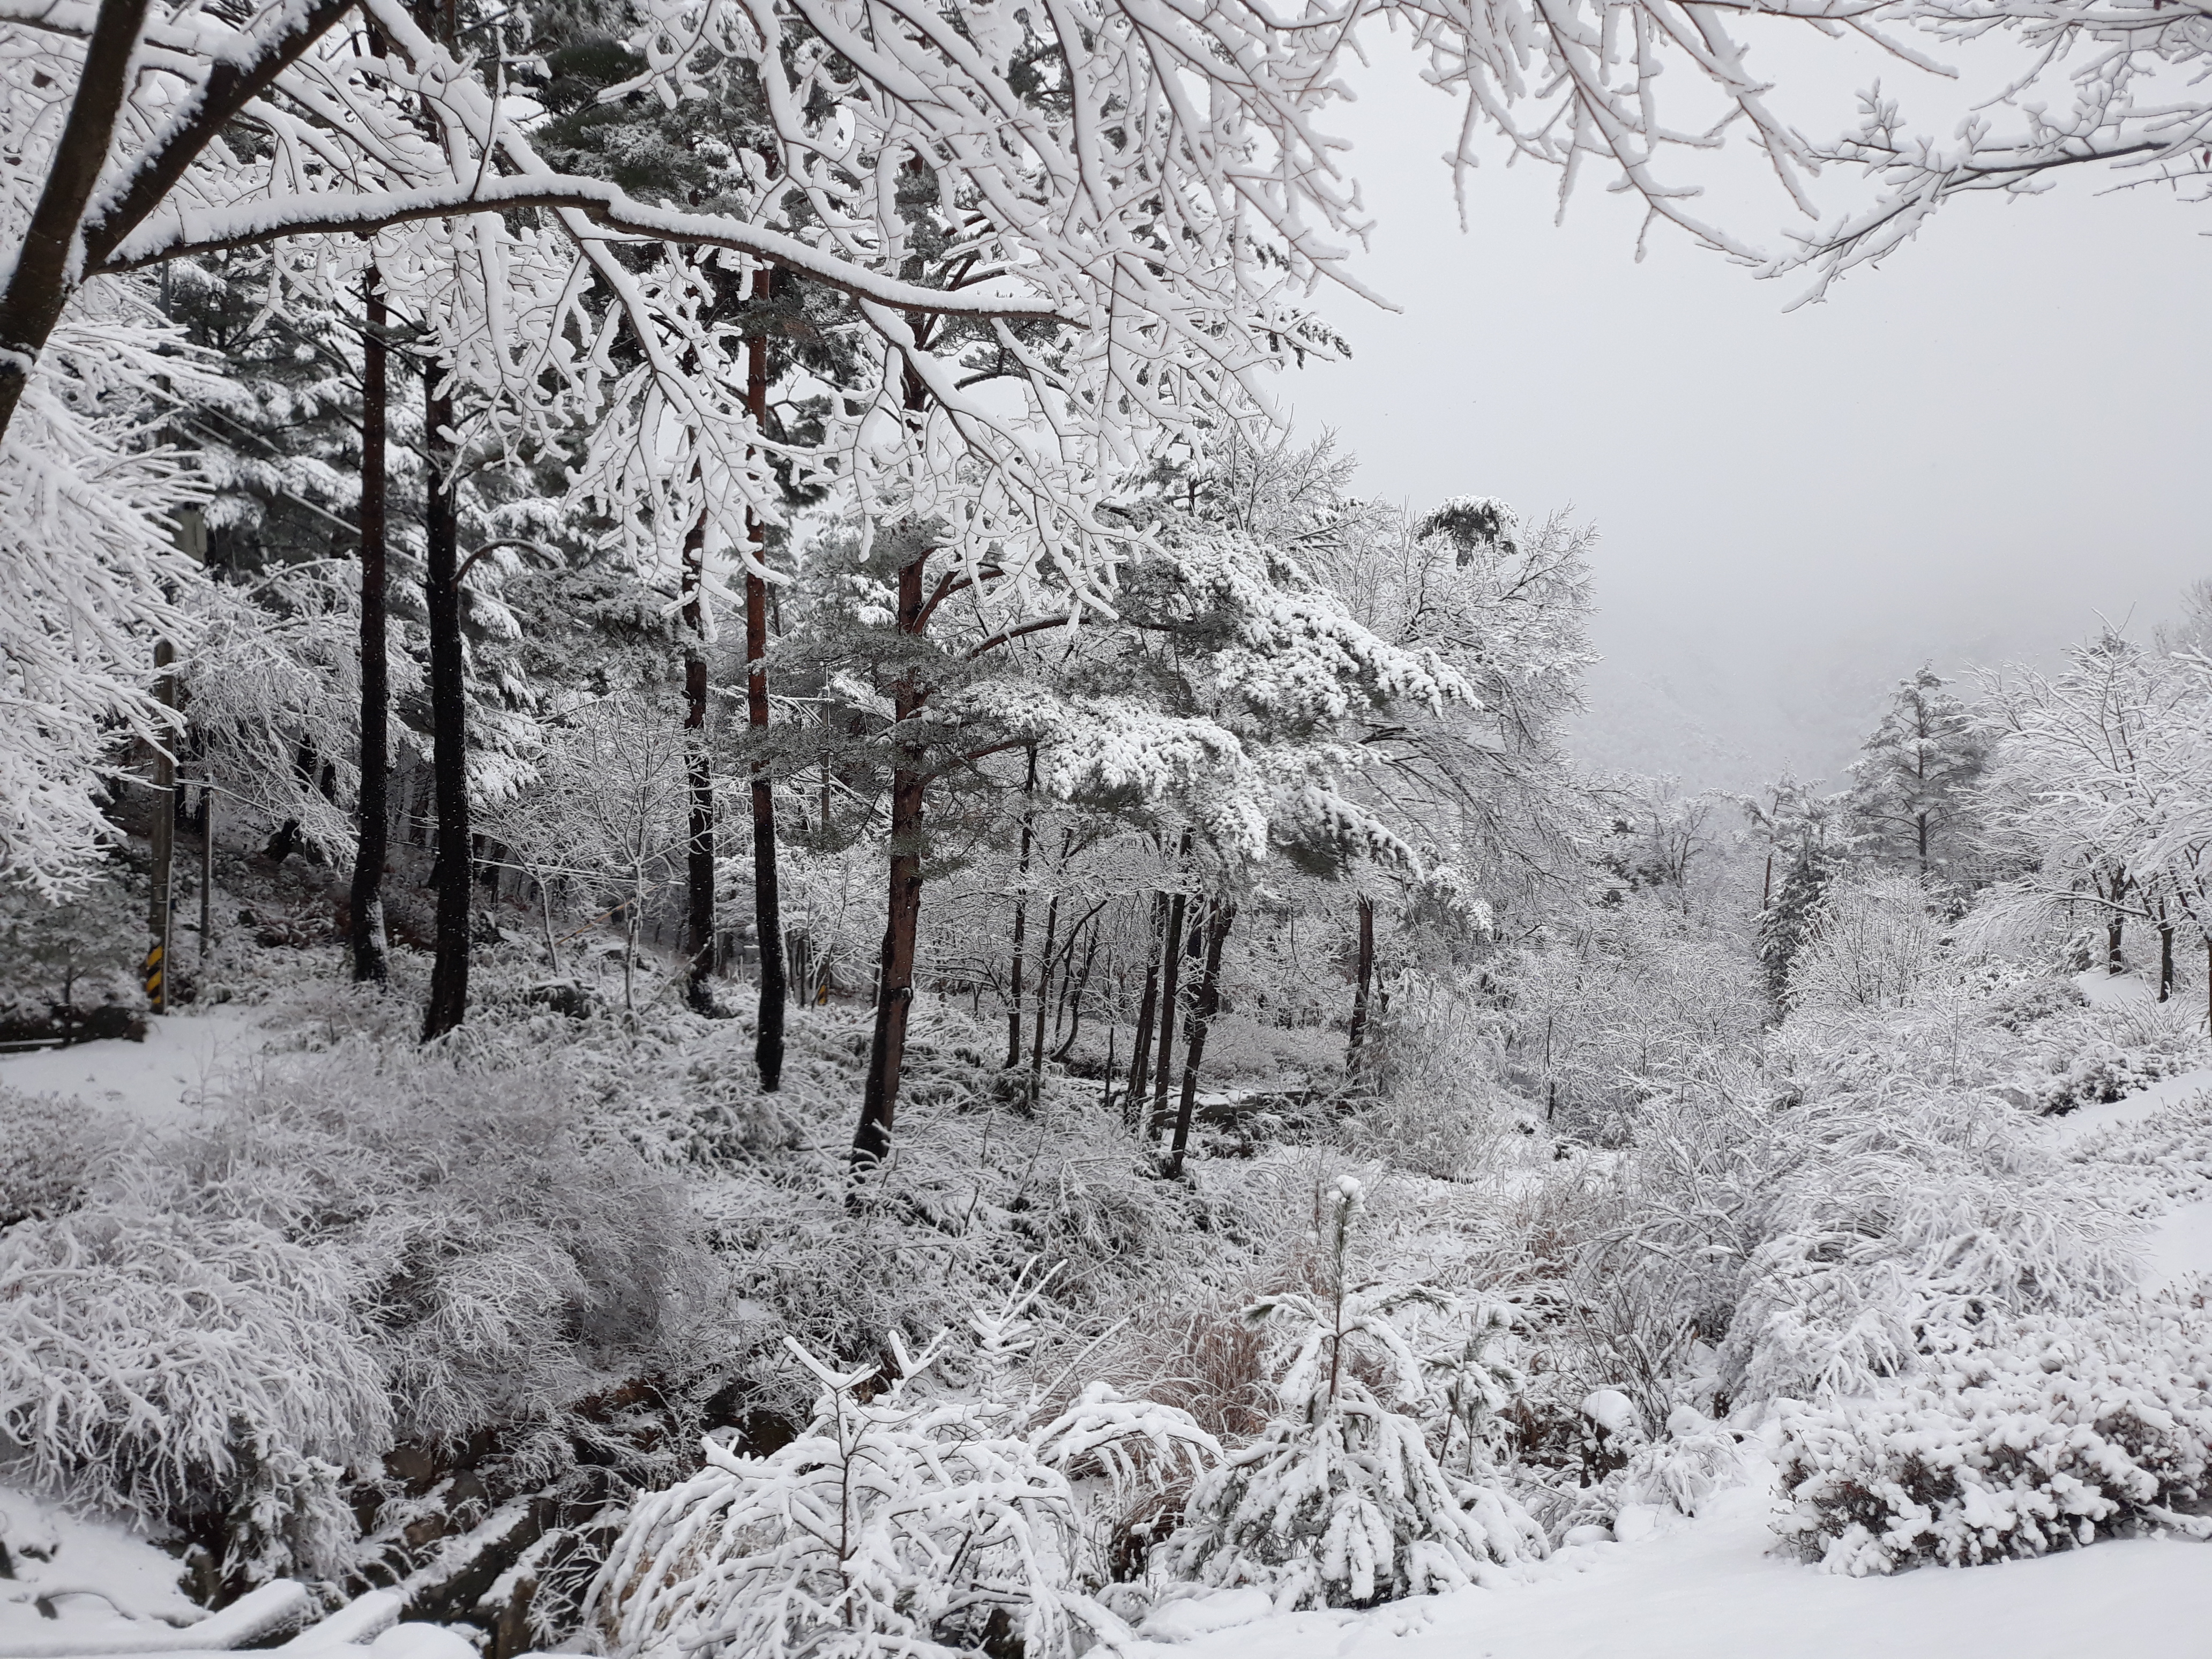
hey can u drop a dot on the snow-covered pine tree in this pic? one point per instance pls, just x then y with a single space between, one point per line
1808 844
1912 790
1340 1501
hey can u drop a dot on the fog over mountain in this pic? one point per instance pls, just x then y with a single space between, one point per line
1968 454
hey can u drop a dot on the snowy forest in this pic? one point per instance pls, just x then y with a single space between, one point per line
740 915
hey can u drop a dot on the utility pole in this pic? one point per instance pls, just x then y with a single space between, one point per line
164 838
207 865
189 533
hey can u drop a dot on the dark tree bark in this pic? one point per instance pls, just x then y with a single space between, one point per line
871 1141
59 241
1074 990
369 961
698 780
1203 1009
39 286
1147 1009
1170 979
1043 1000
442 591
1364 989
1021 915
2165 956
767 908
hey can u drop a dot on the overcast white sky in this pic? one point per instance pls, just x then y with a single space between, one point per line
1967 453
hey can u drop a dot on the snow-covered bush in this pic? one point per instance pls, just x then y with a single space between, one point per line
2083 1055
2150 1164
1873 946
509 1262
2020 1437
1888 1216
1341 1501
197 1372
53 1146
895 1524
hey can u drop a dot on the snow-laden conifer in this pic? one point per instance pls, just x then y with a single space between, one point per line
1340 1501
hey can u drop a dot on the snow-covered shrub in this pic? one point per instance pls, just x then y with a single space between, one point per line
197 1372
1889 1216
1340 1501
2083 1055
1874 945
51 1146
2021 1437
510 1263
2150 1164
1809 1219
894 1525
1635 993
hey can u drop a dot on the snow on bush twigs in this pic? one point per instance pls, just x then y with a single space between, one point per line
894 1524
2040 1435
153 1363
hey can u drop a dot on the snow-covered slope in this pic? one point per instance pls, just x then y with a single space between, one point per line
1714 1588
1711 1590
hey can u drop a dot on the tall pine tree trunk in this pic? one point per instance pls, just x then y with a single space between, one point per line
1043 999
1021 915
367 899
1203 1009
871 1141
768 908
1170 981
698 780
449 971
1362 991
1147 1011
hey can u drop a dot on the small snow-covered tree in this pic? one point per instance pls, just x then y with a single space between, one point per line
1808 843
897 1526
2098 791
1911 790
612 792
1340 1501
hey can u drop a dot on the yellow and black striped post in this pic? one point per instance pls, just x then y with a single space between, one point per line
156 977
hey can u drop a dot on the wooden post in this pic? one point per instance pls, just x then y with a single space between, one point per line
162 903
207 866
189 533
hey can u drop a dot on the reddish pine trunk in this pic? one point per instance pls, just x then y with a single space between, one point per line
768 910
871 1141
1206 1006
367 899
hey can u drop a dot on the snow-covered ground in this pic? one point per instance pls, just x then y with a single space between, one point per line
1710 1589
1714 1589
97 1582
152 1081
